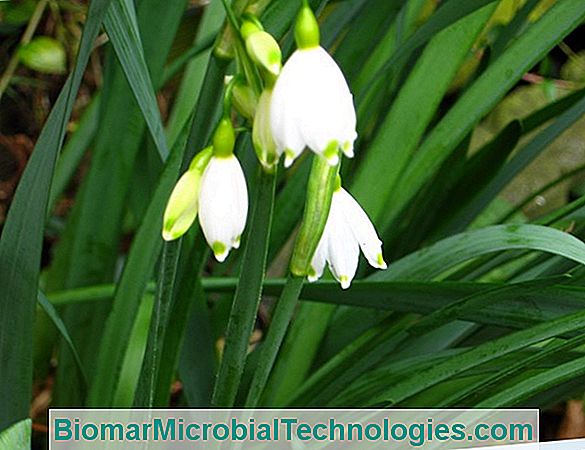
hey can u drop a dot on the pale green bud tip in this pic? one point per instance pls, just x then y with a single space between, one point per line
220 251
248 28
331 153
224 139
307 29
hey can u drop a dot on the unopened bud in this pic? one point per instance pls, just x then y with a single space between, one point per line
43 54
264 144
183 203
244 99
262 47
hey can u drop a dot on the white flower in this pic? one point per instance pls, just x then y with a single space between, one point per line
312 106
223 204
347 230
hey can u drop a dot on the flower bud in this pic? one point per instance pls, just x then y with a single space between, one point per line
264 144
262 47
43 54
307 33
183 203
244 99
319 193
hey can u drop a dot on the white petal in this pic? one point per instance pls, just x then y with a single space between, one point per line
329 113
342 248
223 205
319 259
312 105
284 112
362 228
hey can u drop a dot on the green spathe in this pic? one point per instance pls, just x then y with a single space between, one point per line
319 194
224 139
307 33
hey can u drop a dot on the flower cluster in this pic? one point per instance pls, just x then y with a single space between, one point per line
306 103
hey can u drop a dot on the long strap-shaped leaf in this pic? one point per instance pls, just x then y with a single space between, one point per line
122 28
482 96
20 247
481 354
432 261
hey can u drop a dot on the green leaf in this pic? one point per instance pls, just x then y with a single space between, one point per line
402 128
56 319
248 293
483 95
88 252
532 385
479 355
122 28
17 437
74 150
460 220
430 262
129 291
21 243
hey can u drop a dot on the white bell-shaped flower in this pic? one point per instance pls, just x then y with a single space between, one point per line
348 229
312 105
223 204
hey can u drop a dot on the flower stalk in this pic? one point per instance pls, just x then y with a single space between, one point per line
247 295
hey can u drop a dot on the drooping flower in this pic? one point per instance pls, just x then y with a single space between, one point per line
348 230
215 188
223 205
312 105
223 198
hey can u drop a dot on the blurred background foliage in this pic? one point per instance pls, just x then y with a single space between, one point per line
470 115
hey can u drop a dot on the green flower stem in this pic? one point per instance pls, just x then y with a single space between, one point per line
282 316
146 390
247 296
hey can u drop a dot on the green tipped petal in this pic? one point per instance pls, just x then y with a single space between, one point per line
220 251
331 153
